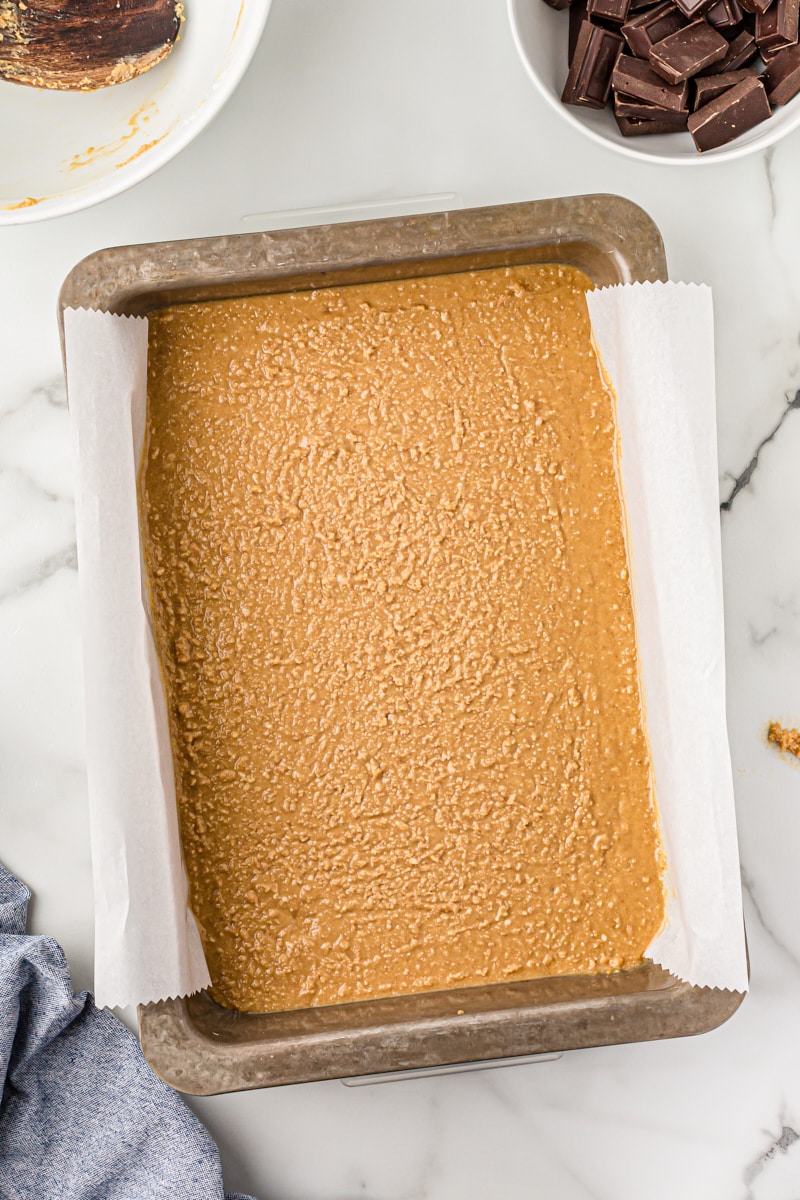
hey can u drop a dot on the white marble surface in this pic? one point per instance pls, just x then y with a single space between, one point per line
365 101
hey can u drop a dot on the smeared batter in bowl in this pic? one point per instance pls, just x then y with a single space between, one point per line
390 594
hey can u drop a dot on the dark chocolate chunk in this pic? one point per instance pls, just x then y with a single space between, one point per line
724 14
559 4
693 8
633 127
577 15
688 51
613 11
635 77
640 110
589 80
777 27
575 18
755 6
652 26
782 76
734 112
741 50
708 87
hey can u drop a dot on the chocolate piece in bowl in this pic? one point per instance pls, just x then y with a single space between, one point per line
589 80
724 14
734 112
613 11
777 27
688 51
559 5
635 127
644 31
755 6
741 51
782 76
692 9
577 15
708 87
634 77
640 110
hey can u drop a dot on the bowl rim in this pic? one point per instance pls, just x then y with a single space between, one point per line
114 183
768 136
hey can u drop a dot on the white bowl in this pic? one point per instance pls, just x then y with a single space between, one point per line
541 37
63 151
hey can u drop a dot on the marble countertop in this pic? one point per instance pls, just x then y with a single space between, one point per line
362 102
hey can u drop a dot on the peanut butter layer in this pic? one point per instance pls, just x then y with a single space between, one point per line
390 594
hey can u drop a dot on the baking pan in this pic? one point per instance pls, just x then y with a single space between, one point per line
193 1043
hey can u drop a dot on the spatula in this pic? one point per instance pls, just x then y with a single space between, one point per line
80 45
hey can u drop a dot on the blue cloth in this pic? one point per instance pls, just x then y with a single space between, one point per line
83 1117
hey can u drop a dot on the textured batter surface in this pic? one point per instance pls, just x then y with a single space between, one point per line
389 584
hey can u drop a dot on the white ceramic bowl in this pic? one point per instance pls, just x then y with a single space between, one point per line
541 37
62 151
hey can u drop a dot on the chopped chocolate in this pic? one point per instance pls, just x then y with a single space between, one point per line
724 14
652 26
733 31
661 67
589 80
708 87
688 51
777 27
741 51
755 6
692 9
734 112
614 11
577 15
782 76
633 127
630 106
635 77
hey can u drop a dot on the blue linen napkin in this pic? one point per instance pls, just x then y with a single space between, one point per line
82 1115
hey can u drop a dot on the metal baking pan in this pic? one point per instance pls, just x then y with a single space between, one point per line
193 1043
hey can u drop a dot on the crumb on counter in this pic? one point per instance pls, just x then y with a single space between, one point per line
787 740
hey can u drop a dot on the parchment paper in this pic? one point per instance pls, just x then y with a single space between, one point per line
656 342
146 942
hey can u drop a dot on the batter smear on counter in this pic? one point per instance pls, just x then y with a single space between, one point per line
390 594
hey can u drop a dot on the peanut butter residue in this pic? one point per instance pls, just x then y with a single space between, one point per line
787 740
390 593
28 202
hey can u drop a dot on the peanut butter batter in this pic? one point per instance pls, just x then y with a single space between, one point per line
390 594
